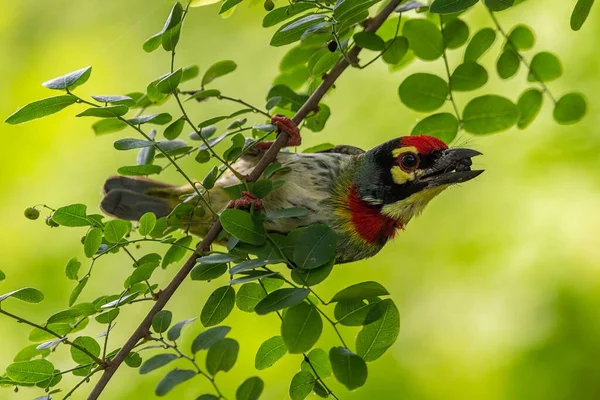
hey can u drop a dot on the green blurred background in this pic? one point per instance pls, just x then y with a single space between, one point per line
498 283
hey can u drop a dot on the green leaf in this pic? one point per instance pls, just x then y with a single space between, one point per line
521 37
218 259
456 33
252 276
130 144
349 10
529 105
29 352
87 343
153 42
108 316
375 338
208 396
348 368
115 99
139 170
190 72
70 80
217 70
174 130
250 389
169 83
396 50
133 360
161 321
228 5
280 299
203 94
156 362
209 180
443 126
218 306
177 251
105 112
208 272
508 64
311 277
315 246
369 41
108 126
360 291
451 6
489 114
147 223
77 290
301 385
205 340
253 264
92 242
425 39
40 108
580 13
172 379
545 67
175 332
73 215
243 226
293 31
28 295
2 276
158 119
170 38
281 14
116 229
468 76
269 352
498 5
301 327
320 362
248 296
480 44
423 92
142 273
30 371
358 312
570 109
222 356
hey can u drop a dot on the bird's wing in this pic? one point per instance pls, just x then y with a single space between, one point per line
344 149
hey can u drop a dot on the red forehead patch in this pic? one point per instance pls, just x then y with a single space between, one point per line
423 144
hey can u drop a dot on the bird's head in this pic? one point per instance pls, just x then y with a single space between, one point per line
402 175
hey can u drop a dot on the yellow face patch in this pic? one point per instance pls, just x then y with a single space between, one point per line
400 176
404 210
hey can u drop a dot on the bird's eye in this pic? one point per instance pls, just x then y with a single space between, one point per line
409 161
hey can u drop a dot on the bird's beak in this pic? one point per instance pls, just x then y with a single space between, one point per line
452 166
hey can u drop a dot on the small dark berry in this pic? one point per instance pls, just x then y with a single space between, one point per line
31 213
332 45
269 5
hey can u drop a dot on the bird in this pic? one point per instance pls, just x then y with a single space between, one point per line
366 197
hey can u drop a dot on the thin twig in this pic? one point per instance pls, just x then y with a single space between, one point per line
445 57
164 296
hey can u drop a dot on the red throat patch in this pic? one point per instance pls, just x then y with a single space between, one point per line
423 144
368 221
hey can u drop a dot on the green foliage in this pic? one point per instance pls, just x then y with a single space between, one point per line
276 273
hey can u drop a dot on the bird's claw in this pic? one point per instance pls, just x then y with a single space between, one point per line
246 201
284 124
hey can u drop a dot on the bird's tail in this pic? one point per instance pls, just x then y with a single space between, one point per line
129 198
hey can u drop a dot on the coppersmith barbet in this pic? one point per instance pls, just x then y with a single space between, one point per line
364 196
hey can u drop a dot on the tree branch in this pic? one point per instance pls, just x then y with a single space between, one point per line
164 296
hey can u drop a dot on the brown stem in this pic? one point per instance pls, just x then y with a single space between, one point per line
164 296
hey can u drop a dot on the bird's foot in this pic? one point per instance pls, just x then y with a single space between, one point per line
284 124
246 201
